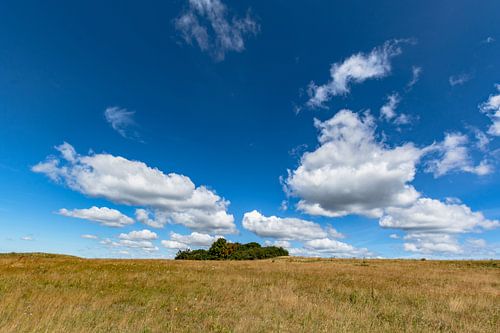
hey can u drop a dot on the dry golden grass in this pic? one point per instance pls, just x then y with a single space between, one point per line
40 293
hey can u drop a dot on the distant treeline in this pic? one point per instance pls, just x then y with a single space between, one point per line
223 250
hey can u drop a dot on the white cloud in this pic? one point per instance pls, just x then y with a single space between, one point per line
133 244
333 233
482 140
121 120
103 215
430 215
88 236
27 238
394 236
143 216
134 183
416 72
169 244
476 242
459 79
282 228
139 235
488 40
279 243
326 247
352 173
195 239
206 23
454 156
492 109
388 110
355 69
432 225
432 243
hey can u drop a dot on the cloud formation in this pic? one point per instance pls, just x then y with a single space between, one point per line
195 239
121 120
459 79
327 247
492 109
415 76
355 69
388 111
134 183
139 235
131 244
454 156
351 173
89 236
206 23
282 228
316 240
102 215
432 226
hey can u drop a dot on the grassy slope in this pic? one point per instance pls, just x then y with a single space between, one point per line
66 294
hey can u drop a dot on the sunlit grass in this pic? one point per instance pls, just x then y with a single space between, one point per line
65 294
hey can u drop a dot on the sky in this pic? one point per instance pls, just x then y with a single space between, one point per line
330 128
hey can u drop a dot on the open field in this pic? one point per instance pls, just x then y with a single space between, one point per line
45 293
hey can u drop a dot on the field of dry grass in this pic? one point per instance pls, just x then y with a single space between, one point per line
42 293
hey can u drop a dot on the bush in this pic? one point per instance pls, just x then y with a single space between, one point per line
221 249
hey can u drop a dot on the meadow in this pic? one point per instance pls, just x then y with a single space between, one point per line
50 293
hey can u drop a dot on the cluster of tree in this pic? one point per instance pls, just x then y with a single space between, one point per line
223 250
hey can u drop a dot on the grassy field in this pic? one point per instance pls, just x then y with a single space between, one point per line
47 293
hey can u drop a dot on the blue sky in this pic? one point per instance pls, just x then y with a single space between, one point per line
331 128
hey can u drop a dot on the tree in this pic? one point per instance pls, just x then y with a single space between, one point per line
219 248
224 250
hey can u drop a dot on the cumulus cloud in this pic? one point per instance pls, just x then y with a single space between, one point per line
336 248
388 110
326 247
131 244
282 228
333 233
432 225
279 243
492 109
121 120
209 24
355 69
316 240
482 140
143 216
27 238
102 215
430 243
134 183
351 172
89 236
476 242
195 239
454 156
459 79
139 235
427 215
